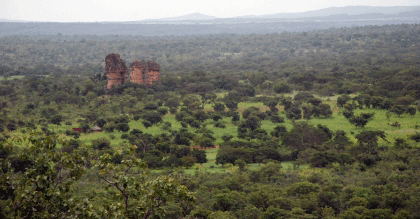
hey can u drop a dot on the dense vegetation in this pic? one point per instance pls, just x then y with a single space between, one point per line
299 125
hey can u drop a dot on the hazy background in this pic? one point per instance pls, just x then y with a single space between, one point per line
130 10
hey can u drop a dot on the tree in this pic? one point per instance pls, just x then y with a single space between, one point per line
123 127
282 87
207 143
398 109
324 110
411 110
172 102
417 96
153 117
348 114
415 137
219 107
369 139
303 136
303 96
279 131
276 119
57 120
200 155
294 113
241 164
232 105
342 100
248 126
44 191
361 120
140 196
101 144
192 102
188 161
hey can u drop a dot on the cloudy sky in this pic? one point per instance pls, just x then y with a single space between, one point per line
129 10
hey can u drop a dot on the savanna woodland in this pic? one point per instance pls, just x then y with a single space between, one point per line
320 124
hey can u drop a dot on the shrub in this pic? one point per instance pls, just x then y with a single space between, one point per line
207 143
303 96
415 137
276 119
219 125
123 127
109 127
162 110
302 188
101 144
236 117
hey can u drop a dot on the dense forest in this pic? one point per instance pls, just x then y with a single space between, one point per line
319 124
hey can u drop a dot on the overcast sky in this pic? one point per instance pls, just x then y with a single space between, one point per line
129 10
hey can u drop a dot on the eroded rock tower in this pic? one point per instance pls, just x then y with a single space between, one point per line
116 70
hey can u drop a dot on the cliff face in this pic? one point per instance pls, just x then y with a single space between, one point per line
152 73
116 70
137 72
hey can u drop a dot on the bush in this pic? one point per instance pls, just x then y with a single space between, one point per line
207 143
219 125
109 127
216 117
124 136
153 117
276 119
162 110
236 117
11 126
101 144
282 87
123 127
415 137
303 96
302 188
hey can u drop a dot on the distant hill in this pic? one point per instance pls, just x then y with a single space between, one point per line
7 20
199 24
189 17
349 10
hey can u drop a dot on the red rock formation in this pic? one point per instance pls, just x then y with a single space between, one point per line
152 73
116 70
137 72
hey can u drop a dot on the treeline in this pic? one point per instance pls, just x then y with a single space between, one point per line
380 60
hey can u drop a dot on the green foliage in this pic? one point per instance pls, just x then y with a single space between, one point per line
282 87
219 107
303 188
361 120
137 195
44 191
303 136
415 137
101 144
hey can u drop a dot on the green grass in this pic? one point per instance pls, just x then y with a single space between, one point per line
12 77
227 168
336 122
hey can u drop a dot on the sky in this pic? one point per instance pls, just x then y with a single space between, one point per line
131 10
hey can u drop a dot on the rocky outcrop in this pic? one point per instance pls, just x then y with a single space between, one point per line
116 70
137 72
152 73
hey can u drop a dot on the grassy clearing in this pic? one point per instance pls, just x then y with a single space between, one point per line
212 167
408 126
336 122
12 77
